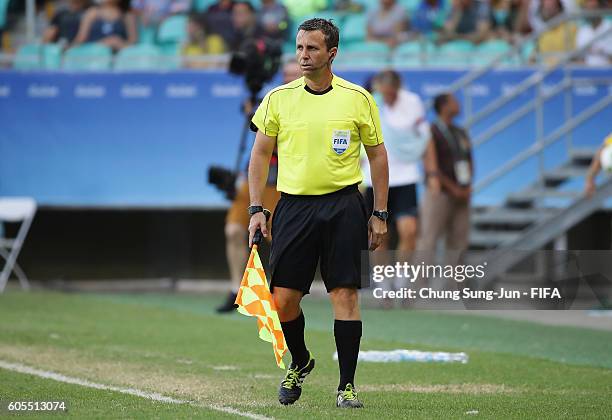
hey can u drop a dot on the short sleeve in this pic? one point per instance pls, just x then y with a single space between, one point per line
266 116
369 122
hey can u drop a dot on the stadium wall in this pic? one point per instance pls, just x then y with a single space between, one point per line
67 245
117 162
146 140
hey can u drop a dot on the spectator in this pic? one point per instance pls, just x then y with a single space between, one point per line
153 12
505 18
218 20
388 23
108 24
300 8
200 42
589 182
558 40
244 22
600 51
347 6
537 16
406 133
449 169
469 20
429 17
65 23
274 19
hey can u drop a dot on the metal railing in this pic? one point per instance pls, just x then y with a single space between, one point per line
517 50
534 81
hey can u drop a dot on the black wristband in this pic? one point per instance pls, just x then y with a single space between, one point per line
381 214
255 209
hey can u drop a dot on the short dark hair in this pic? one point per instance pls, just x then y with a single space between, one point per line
329 29
247 4
441 100
389 77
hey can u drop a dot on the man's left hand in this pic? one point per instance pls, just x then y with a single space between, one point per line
377 229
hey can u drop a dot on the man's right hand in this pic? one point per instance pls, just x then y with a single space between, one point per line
433 184
258 221
462 193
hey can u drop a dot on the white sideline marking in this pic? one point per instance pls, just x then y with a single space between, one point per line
16 367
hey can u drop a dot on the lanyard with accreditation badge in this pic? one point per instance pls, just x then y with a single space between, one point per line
462 165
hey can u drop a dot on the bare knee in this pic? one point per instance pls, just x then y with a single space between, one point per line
287 302
345 301
235 232
407 228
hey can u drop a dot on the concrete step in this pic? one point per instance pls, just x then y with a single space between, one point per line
510 217
582 155
527 197
561 174
491 238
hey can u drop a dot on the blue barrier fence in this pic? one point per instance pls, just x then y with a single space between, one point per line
131 139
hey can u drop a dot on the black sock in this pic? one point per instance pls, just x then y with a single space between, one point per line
348 337
294 336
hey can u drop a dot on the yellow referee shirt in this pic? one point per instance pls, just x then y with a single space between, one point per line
319 134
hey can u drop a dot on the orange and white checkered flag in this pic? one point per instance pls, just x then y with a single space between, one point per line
254 299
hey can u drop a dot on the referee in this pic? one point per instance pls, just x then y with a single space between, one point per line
318 123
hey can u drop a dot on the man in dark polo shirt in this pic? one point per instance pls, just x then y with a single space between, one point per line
449 169
65 24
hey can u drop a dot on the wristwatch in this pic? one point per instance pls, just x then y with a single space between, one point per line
255 209
381 214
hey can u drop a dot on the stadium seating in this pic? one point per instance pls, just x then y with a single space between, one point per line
337 17
527 49
409 53
3 11
410 5
355 28
370 4
453 54
28 57
52 56
369 47
171 35
173 30
146 34
88 57
38 57
488 50
138 57
170 57
202 5
364 54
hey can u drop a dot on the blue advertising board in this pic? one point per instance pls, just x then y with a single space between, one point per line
147 139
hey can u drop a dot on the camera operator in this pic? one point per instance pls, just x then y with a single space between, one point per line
237 219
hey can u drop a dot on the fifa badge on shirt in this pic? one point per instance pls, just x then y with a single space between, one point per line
341 140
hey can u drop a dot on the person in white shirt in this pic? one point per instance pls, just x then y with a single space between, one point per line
406 133
536 17
600 52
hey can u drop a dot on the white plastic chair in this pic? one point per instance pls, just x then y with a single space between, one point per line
14 210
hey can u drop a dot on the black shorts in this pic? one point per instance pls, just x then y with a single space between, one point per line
307 229
402 201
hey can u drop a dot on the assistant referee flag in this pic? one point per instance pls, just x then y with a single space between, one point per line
254 299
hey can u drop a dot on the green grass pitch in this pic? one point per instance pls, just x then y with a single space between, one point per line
175 345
